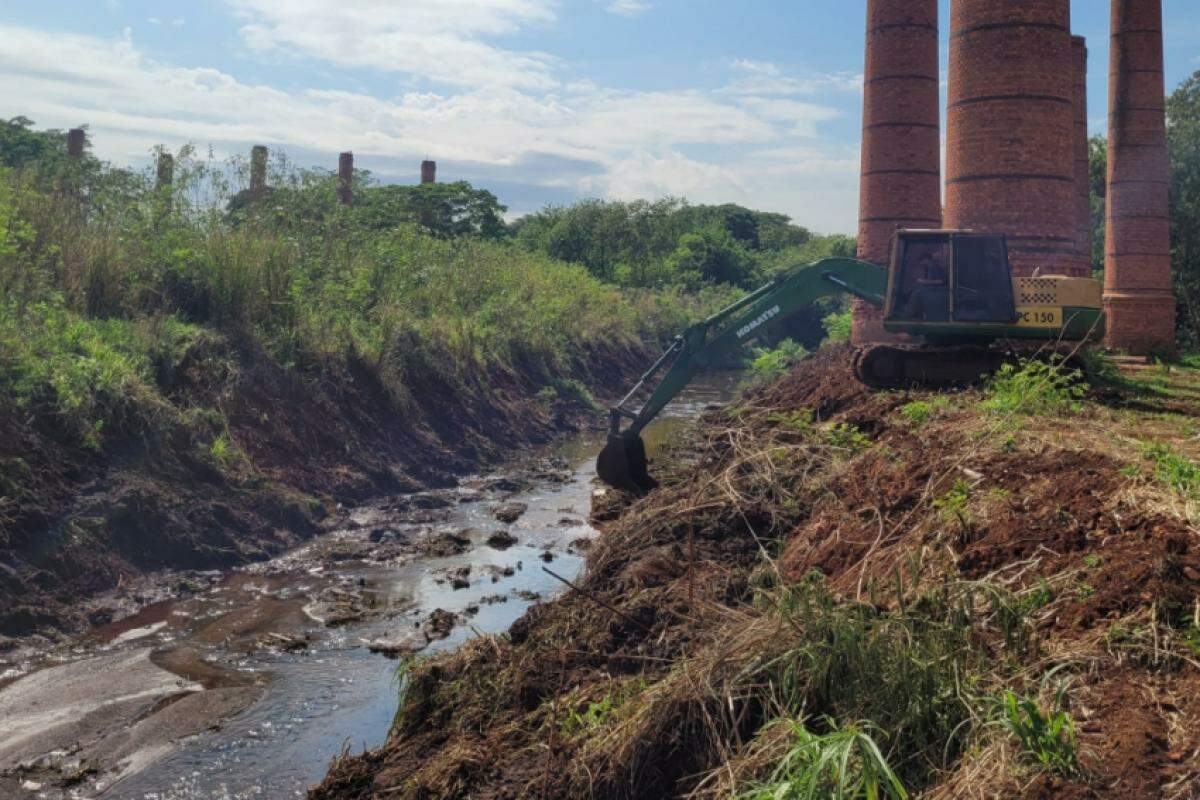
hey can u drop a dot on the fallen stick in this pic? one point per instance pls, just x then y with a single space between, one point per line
595 599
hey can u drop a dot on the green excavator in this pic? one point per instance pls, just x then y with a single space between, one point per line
950 293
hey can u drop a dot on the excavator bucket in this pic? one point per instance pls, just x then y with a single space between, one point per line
622 464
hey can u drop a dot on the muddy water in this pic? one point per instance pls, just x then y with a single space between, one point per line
246 684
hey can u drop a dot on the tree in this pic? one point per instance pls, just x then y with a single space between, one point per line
1098 189
710 255
1183 138
445 210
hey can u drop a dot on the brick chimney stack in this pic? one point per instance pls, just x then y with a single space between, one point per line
346 178
901 164
1137 280
76 141
1083 189
258 172
1010 160
428 172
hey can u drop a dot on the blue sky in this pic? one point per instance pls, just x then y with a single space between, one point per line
749 101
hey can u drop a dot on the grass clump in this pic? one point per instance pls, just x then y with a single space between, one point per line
1034 388
846 437
1173 469
1046 737
845 763
918 412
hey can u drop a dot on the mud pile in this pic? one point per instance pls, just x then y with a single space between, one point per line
1037 555
304 442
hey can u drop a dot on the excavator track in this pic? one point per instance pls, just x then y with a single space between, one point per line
886 366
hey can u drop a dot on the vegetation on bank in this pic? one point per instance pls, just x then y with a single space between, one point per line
852 594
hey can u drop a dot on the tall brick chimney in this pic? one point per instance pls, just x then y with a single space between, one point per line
76 141
901 164
1083 189
258 172
428 172
1137 279
165 172
1010 163
346 178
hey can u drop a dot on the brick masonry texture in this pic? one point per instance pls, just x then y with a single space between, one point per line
901 167
1083 199
1137 289
1011 136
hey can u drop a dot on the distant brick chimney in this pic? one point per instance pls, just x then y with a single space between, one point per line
346 178
258 172
428 172
76 141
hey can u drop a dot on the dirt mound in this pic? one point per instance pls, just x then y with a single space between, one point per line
1013 551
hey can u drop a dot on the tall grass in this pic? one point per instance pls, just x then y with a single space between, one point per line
92 262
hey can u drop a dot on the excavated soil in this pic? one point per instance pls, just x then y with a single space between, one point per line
75 522
673 581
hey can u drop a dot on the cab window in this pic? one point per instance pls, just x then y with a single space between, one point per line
924 282
982 285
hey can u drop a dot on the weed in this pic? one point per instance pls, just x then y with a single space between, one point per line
1091 561
1172 468
839 326
843 764
800 420
768 364
844 436
1084 590
1047 738
1034 388
1038 596
918 412
953 505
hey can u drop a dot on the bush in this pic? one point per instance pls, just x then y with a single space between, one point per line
1046 738
768 364
1034 388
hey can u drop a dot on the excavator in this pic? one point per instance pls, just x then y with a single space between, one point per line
950 293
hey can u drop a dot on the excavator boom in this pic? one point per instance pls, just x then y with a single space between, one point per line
622 463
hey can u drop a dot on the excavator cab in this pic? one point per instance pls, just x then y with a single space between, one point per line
948 279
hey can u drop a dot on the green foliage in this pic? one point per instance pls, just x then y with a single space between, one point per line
1183 139
595 715
844 436
770 363
839 326
953 504
710 255
1046 737
906 670
1034 388
843 764
918 412
800 420
445 210
1173 469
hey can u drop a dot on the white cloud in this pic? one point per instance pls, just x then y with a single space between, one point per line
629 8
766 78
177 22
440 40
578 137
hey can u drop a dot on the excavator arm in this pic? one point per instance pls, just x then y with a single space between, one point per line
623 463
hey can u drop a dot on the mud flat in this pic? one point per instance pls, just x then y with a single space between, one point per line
246 683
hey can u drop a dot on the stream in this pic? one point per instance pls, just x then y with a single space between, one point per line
246 683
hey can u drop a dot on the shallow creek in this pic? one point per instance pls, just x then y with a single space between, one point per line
244 684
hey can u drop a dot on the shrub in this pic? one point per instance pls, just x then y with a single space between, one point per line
1034 388
768 364
839 327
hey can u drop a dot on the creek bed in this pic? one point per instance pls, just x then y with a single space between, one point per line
246 684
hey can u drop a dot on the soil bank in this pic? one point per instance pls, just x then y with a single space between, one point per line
302 444
1043 554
